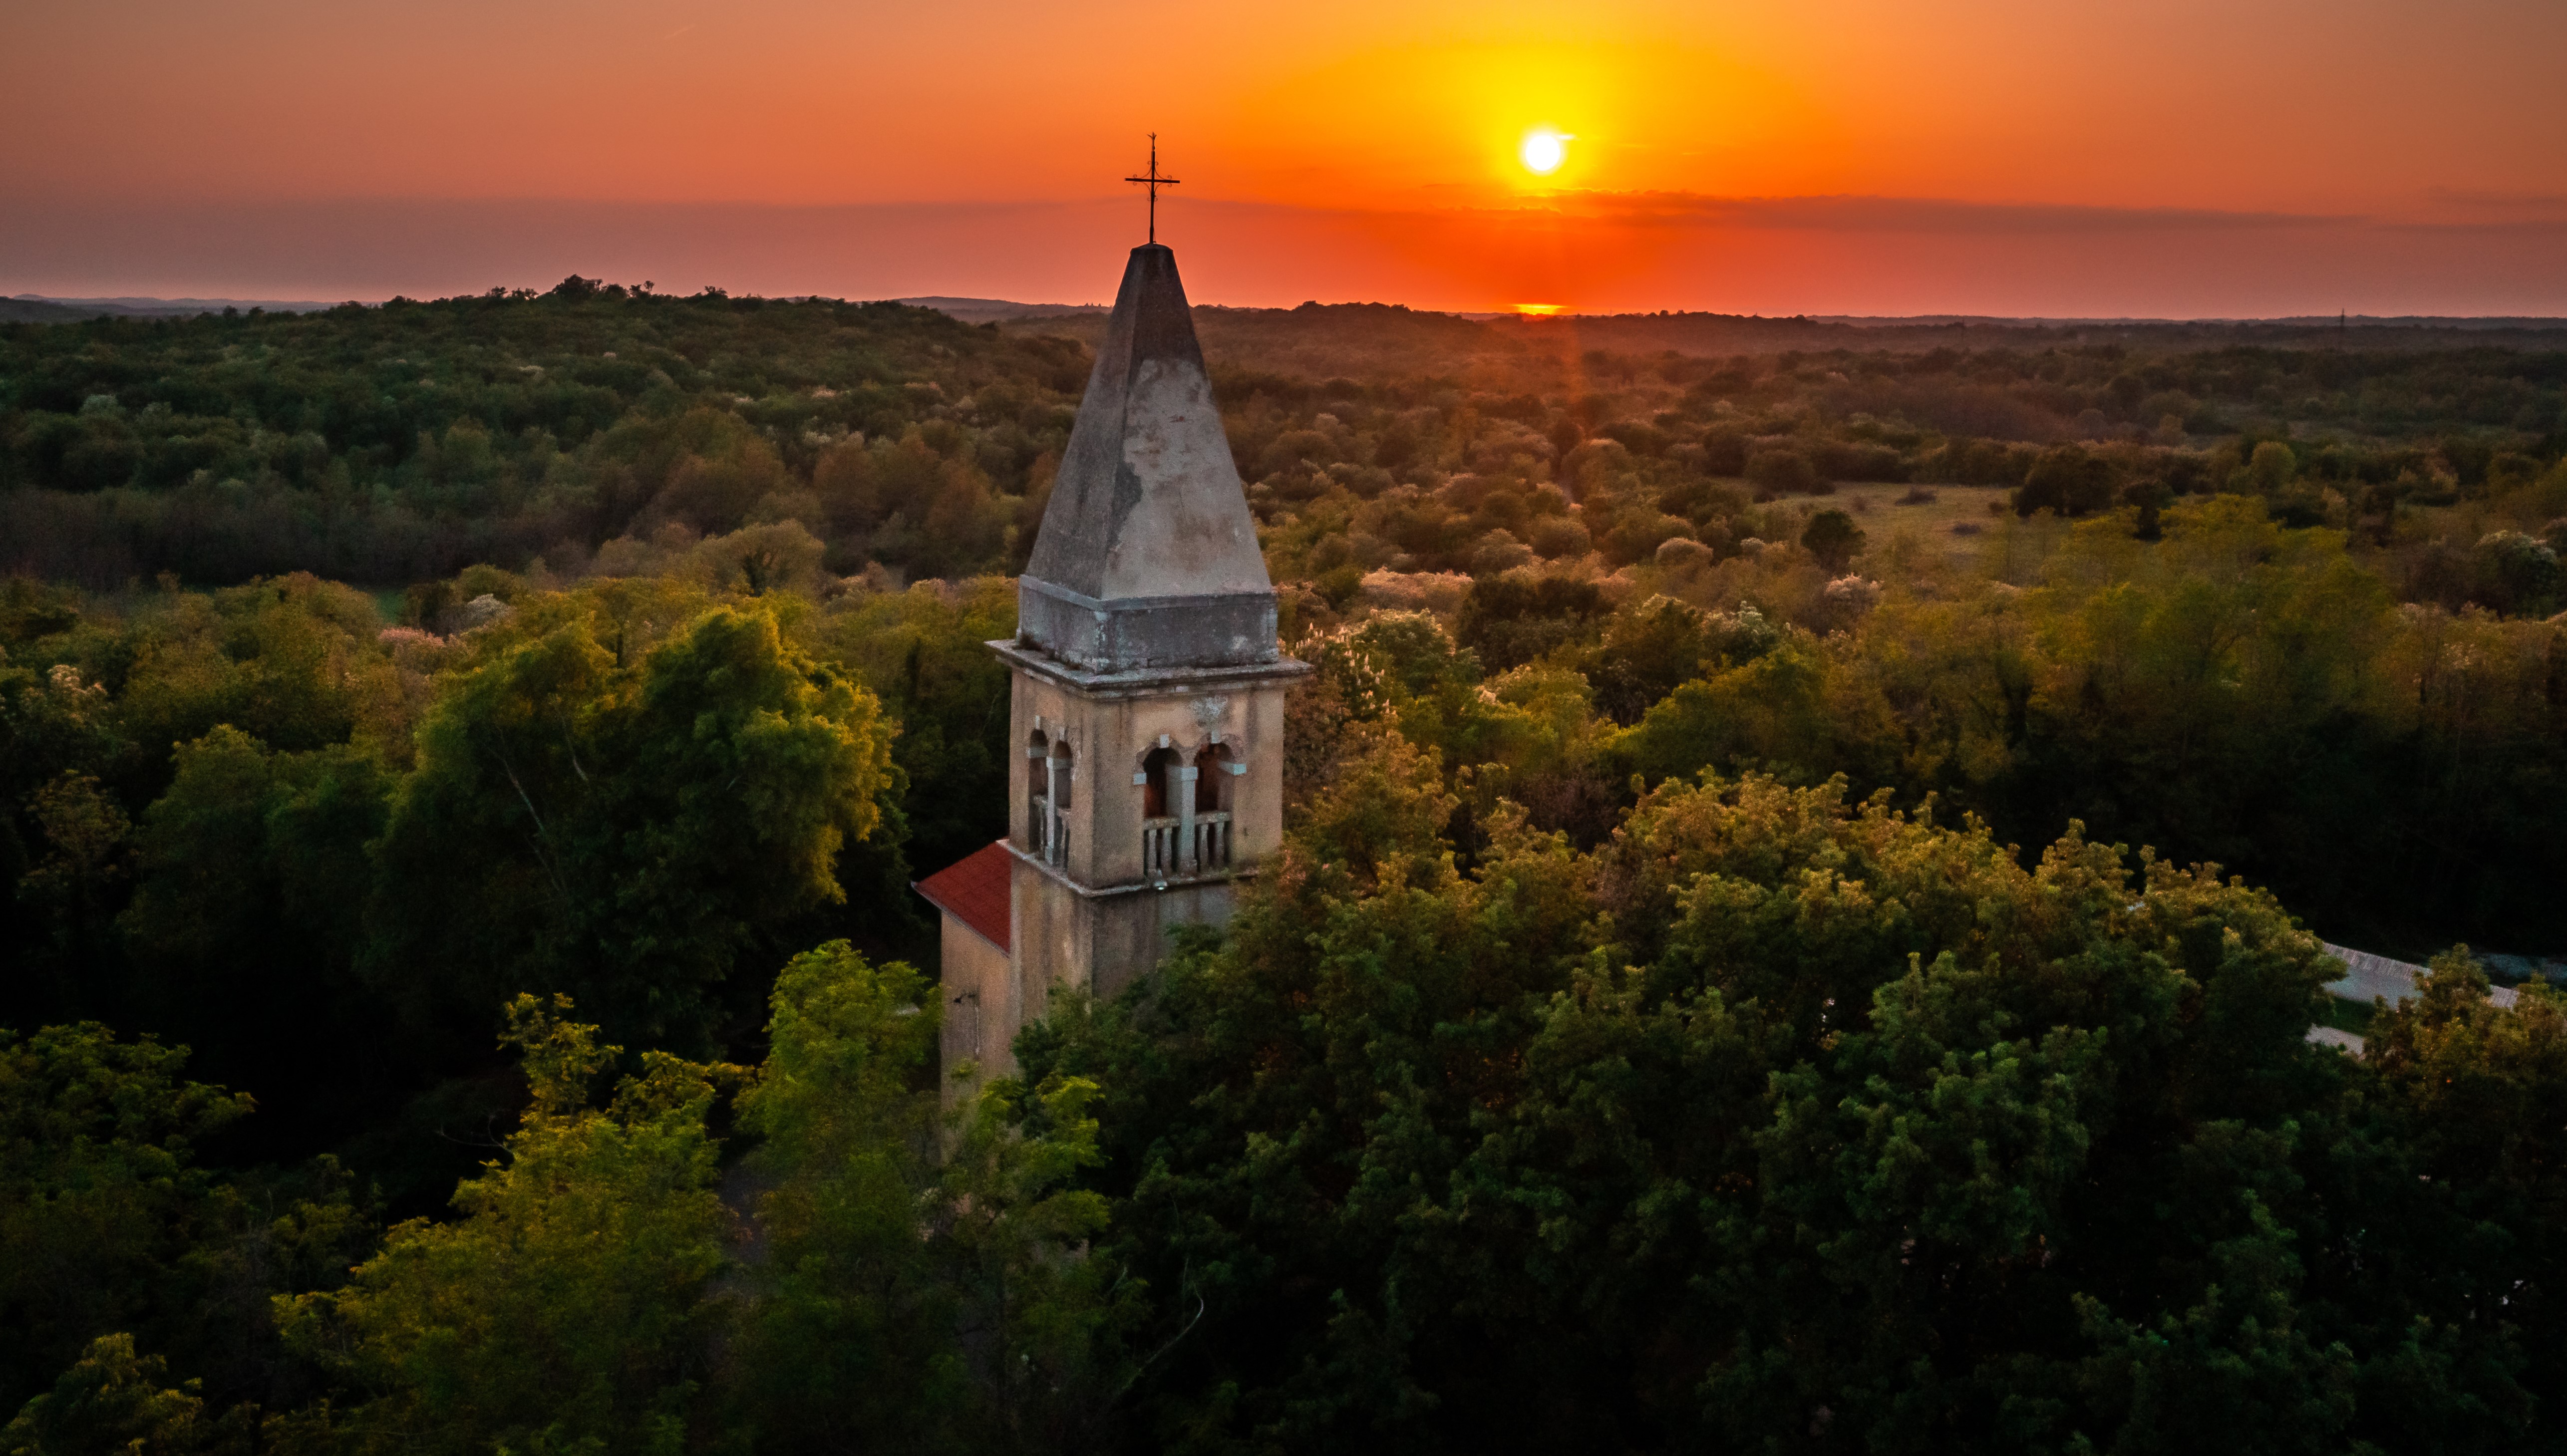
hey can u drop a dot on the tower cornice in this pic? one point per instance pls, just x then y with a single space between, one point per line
1145 682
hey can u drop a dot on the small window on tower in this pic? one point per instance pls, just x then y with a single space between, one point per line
1159 783
1037 788
1212 779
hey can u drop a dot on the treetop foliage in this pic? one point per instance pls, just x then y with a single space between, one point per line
616 817
1776 1117
873 1277
1798 923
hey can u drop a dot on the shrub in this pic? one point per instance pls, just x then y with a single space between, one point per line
1780 470
1637 536
1834 538
1859 460
1555 536
2066 480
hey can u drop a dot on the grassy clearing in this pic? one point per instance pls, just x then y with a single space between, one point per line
1956 524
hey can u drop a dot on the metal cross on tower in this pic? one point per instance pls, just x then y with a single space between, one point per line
1155 181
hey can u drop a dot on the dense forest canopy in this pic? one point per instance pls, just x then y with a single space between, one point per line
1800 909
387 446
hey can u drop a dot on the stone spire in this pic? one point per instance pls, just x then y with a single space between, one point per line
1148 557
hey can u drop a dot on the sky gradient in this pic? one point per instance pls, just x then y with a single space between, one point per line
2170 159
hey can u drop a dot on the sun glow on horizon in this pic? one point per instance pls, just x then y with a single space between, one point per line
1543 150
1862 158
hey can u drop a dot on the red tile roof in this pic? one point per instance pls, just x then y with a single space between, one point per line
974 890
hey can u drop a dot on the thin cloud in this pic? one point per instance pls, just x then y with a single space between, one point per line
1829 255
1858 214
2535 227
2492 200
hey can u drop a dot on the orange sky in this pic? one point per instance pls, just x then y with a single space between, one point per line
1829 155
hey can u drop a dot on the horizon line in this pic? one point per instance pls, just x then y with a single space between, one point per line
149 305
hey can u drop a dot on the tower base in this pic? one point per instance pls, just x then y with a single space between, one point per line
1064 937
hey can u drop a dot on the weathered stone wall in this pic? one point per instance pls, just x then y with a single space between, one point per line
980 1001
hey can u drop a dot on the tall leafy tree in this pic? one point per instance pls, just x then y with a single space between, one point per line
245 926
921 1279
1778 1120
880 1276
102 1197
568 1303
921 651
633 830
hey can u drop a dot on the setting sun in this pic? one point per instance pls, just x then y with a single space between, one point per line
1545 149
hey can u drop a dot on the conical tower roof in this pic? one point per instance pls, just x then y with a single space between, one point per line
1148 556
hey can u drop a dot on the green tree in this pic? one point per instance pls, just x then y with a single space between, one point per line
116 1400
75 887
1646 652
2474 1098
1834 538
245 926
628 832
2517 574
1332 1049
291 660
903 1298
1506 621
101 1200
2066 480
1775 1115
570 1299
1771 710
1782 470
921 652
909 1280
2270 469
1414 650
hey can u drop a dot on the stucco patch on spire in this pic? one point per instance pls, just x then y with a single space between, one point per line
1148 556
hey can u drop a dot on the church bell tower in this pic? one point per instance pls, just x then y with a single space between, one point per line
1146 721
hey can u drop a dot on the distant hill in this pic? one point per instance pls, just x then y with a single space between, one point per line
996 310
1712 333
2293 320
39 311
1372 340
30 308
1321 340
